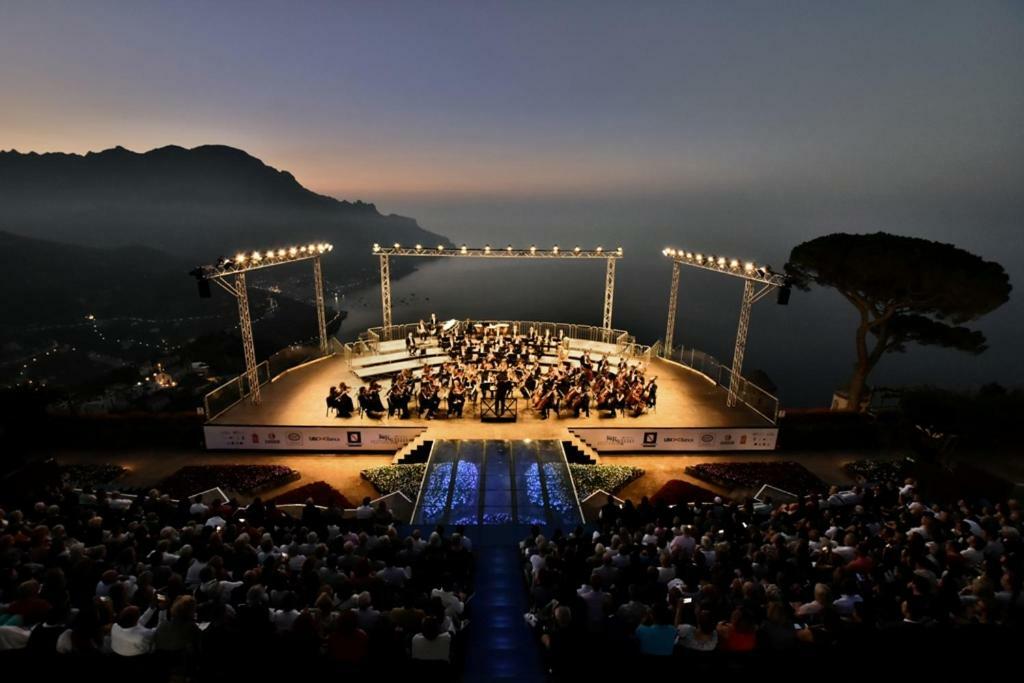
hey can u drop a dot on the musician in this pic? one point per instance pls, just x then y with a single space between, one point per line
421 330
428 399
410 344
456 399
398 398
581 402
618 400
652 392
343 402
503 389
545 399
585 361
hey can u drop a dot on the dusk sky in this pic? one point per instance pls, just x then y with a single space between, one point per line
391 101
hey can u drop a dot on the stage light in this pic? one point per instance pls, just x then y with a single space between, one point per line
699 258
463 249
666 251
721 261
555 249
293 251
509 249
270 254
748 267
440 247
376 247
240 258
419 247
257 256
487 249
619 250
303 249
397 245
734 264
533 249
280 253
576 249
599 249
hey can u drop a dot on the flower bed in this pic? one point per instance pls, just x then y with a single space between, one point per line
321 492
243 478
877 470
610 478
390 478
90 476
788 476
679 492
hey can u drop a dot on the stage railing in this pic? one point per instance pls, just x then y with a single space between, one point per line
232 391
754 397
592 333
293 356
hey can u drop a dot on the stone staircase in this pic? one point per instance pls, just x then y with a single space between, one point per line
416 451
577 450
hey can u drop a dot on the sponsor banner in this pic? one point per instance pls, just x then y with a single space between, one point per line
679 439
284 438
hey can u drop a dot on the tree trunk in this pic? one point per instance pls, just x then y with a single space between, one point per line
856 388
860 373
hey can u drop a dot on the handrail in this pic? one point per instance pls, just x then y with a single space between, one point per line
577 331
749 394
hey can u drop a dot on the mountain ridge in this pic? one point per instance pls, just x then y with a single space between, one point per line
196 202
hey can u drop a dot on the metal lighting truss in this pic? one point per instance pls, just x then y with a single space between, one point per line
758 282
229 275
487 251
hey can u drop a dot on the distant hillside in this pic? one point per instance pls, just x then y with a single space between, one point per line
47 282
197 203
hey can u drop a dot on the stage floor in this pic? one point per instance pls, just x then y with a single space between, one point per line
685 399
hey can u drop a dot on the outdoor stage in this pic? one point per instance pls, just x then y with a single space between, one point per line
691 413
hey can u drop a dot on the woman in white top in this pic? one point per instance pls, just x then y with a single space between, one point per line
431 643
703 637
129 637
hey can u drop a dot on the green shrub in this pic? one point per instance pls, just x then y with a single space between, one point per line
390 478
610 478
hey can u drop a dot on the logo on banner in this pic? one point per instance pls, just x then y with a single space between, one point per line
650 439
707 438
255 437
294 436
355 438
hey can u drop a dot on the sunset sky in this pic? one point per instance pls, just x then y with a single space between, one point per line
392 100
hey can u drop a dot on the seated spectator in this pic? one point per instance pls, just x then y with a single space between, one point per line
657 635
130 637
347 643
431 643
703 637
179 634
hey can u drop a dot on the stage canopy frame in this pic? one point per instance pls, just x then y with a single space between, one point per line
758 282
533 252
227 269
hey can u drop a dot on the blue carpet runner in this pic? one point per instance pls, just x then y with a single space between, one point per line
501 646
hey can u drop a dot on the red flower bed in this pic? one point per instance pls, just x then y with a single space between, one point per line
244 478
321 492
679 492
788 476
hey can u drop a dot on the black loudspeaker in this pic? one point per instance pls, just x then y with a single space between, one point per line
204 289
783 296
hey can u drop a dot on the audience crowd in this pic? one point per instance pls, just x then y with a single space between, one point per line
203 589
878 579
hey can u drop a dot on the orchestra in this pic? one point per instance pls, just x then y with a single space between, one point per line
502 363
